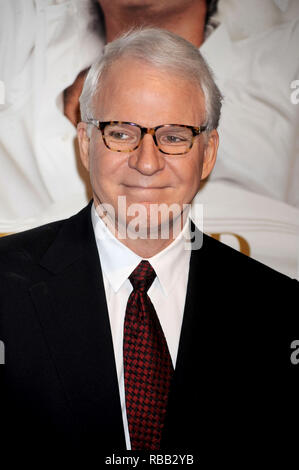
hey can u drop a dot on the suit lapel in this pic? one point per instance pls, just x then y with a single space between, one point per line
181 415
72 310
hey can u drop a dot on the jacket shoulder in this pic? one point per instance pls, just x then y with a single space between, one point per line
22 254
30 244
223 258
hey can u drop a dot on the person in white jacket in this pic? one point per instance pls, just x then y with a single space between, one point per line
45 45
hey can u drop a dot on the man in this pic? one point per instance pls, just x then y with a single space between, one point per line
94 364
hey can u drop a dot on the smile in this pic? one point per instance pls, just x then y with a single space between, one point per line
145 187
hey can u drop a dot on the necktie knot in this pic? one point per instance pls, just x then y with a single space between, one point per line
143 276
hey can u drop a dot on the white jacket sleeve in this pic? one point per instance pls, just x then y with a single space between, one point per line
17 35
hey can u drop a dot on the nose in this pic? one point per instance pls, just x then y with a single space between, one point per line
147 159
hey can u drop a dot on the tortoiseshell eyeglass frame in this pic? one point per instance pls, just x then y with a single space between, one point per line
146 130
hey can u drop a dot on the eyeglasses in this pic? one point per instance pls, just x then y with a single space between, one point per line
171 139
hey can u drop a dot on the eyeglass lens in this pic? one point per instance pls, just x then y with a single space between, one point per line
170 139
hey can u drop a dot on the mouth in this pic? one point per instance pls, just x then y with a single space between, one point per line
148 188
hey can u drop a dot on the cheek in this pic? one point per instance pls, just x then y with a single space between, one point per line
105 170
96 172
188 173
195 167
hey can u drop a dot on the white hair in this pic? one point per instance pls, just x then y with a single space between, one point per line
163 50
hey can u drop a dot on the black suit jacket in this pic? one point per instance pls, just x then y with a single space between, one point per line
234 396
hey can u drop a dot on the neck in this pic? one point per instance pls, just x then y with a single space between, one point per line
187 21
146 248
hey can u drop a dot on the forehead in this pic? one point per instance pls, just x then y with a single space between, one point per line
135 91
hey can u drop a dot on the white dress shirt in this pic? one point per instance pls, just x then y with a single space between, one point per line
167 292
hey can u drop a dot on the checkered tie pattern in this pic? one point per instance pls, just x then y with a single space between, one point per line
148 368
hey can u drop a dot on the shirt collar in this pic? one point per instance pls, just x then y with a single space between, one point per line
118 261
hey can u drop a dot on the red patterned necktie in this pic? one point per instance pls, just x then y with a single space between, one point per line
147 364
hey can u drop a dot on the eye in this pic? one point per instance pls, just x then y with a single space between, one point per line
174 139
117 135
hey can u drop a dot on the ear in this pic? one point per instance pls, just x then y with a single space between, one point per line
83 140
210 153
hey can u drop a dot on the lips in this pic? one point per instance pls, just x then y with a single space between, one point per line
144 187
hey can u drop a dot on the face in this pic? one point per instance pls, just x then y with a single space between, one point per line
136 92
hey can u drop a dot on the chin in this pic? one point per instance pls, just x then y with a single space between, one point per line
153 224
